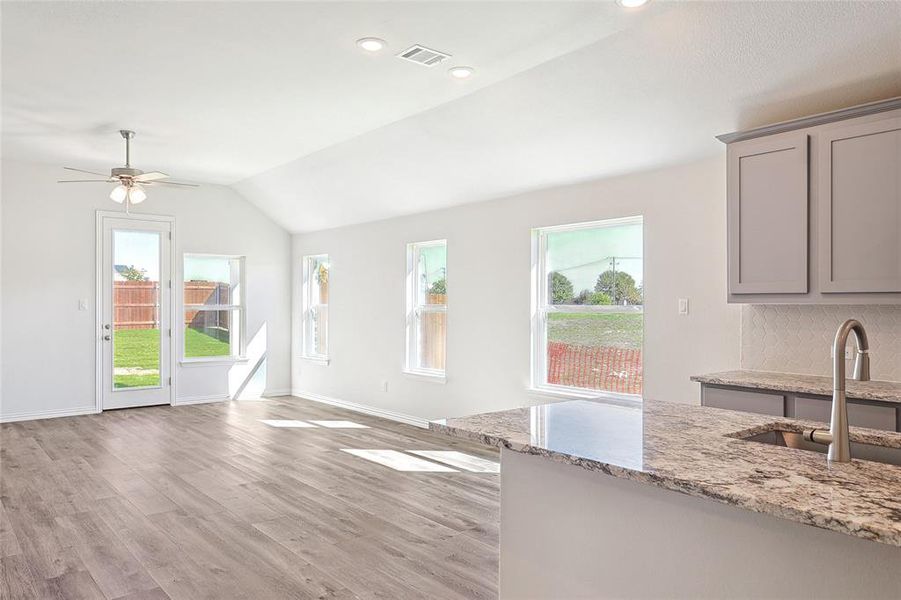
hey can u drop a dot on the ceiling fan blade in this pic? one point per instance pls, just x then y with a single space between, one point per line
152 176
84 181
170 183
84 171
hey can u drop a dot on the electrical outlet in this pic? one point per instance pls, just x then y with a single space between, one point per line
82 304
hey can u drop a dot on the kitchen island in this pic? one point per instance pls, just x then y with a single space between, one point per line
670 500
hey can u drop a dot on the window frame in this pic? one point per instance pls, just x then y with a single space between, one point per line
238 351
540 308
414 312
308 309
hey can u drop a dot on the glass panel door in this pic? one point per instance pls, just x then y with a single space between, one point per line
136 309
134 330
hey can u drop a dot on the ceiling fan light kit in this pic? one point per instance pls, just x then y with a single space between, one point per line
119 193
131 181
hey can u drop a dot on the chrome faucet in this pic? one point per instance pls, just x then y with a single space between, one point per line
837 437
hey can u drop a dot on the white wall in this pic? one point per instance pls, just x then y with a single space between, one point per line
48 264
489 283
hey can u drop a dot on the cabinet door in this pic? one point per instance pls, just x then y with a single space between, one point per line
874 416
768 215
754 402
859 199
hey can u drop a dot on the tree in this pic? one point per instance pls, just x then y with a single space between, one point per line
561 288
619 286
439 286
583 297
322 274
131 273
598 298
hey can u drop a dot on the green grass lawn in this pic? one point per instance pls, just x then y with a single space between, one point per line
622 330
140 349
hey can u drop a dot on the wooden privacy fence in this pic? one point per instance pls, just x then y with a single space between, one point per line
433 334
595 367
209 293
135 303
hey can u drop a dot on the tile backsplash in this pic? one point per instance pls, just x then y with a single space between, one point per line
798 338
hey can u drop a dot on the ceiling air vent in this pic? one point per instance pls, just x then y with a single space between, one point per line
423 56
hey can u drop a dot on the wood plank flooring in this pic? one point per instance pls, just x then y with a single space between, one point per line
206 501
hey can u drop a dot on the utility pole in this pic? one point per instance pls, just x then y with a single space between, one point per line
613 260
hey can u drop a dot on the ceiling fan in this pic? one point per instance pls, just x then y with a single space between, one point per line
131 181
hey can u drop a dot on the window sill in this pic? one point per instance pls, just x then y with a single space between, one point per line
218 361
316 360
423 376
576 394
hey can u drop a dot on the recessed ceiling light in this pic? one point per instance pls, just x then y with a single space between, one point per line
371 44
461 72
632 3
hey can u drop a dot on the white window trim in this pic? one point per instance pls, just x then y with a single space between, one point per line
413 310
211 361
421 375
307 307
540 307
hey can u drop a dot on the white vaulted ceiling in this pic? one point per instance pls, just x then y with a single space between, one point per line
277 100
220 91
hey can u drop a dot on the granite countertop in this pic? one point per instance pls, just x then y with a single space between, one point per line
695 450
885 391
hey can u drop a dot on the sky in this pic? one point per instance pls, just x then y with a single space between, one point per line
434 260
583 254
141 249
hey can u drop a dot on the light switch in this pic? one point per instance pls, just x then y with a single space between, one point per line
384 385
82 304
683 306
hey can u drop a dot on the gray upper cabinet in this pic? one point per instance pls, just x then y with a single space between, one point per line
767 215
860 207
814 209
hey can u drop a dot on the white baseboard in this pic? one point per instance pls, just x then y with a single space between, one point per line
48 414
89 410
186 400
362 408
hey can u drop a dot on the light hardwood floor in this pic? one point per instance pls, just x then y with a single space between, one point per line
206 501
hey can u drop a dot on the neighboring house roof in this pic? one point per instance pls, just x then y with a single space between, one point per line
119 269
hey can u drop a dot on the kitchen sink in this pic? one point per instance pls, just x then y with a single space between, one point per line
859 450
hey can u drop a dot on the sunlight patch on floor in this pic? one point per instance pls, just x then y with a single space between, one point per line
340 424
399 461
313 424
467 462
285 423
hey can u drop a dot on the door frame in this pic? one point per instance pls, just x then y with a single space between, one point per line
98 298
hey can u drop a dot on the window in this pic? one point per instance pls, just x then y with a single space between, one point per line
214 307
427 307
315 306
588 314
